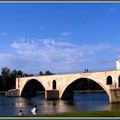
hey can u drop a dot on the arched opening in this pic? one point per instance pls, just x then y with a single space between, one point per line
119 81
32 88
82 85
54 84
109 80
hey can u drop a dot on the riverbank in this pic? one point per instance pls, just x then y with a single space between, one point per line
113 113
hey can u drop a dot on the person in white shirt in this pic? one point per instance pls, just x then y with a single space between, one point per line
34 110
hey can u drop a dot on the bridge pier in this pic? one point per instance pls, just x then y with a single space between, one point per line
51 94
114 96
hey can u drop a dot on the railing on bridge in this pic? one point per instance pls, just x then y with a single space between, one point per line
98 70
89 71
83 71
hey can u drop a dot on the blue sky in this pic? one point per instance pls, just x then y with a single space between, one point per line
60 37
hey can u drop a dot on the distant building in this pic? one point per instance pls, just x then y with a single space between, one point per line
118 63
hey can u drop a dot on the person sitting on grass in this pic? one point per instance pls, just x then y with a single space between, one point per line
20 113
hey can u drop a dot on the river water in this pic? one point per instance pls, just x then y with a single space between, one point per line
81 102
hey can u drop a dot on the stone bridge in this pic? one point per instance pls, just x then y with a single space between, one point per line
62 86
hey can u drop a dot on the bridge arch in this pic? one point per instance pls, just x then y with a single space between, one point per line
31 87
68 91
109 80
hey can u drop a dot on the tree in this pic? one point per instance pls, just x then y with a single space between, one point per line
48 73
12 80
40 73
1 83
27 75
5 76
14 73
19 73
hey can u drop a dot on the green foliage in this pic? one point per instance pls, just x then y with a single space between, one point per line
46 73
41 73
8 77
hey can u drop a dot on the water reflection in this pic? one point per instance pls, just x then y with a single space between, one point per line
55 106
81 102
20 102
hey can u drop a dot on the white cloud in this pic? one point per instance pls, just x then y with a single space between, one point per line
23 46
57 56
48 42
7 59
4 56
65 33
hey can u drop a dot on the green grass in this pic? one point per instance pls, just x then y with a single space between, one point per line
112 113
85 114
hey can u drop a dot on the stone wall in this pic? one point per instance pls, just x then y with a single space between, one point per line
115 95
12 92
